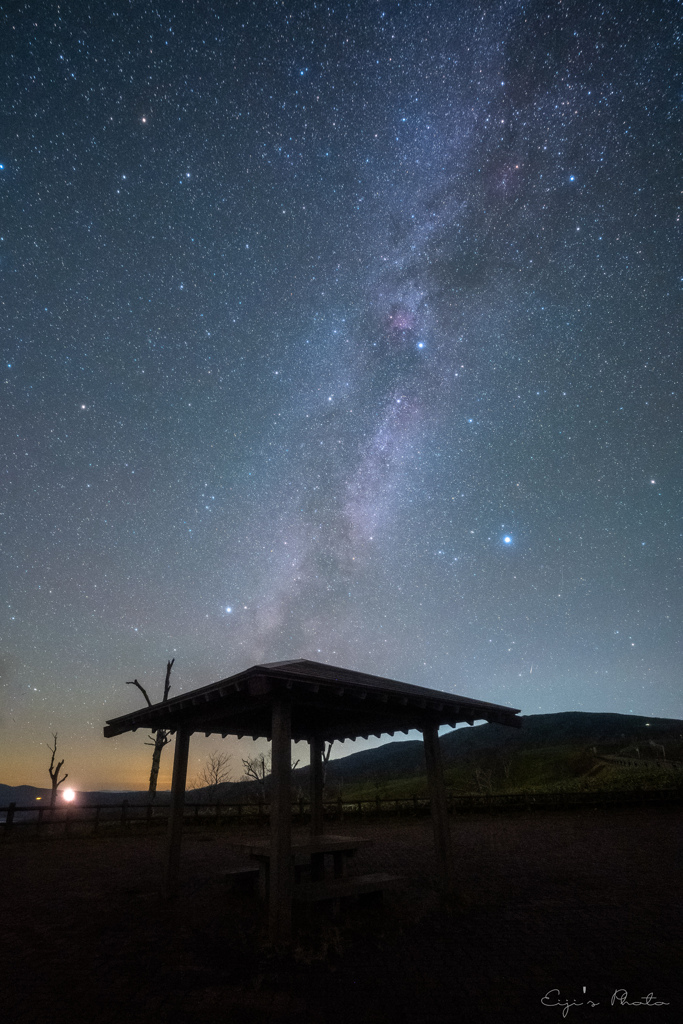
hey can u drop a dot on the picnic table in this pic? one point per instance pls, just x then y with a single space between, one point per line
312 849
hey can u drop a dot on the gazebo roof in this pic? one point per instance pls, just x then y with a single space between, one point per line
328 702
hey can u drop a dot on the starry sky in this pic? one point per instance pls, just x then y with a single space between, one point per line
346 331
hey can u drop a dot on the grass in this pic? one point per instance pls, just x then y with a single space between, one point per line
540 770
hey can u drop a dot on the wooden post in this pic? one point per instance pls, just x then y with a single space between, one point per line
175 818
316 746
280 904
439 807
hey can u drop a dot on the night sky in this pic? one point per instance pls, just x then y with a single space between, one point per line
348 332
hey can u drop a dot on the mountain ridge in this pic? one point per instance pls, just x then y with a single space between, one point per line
403 758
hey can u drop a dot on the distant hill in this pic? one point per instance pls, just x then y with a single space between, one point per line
573 727
22 795
548 750
566 738
27 796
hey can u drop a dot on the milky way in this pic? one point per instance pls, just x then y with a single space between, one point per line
341 332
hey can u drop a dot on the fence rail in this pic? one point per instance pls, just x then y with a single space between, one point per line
127 814
642 763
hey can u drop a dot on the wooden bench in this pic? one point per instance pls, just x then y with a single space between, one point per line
241 879
341 888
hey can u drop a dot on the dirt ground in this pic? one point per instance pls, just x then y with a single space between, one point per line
587 902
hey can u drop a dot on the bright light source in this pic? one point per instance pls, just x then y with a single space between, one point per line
507 540
69 795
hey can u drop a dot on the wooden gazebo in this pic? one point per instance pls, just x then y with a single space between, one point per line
305 700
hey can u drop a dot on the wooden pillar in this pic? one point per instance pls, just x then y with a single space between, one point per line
175 818
280 903
439 806
316 745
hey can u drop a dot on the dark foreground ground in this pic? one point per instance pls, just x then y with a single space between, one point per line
587 902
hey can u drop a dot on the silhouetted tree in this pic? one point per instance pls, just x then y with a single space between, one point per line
482 777
162 736
326 758
258 769
214 773
54 771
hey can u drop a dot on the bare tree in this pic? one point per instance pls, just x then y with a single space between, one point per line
482 777
162 736
326 758
55 770
258 769
213 774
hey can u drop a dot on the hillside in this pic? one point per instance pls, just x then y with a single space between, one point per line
549 751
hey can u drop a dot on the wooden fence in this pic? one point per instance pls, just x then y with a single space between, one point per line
642 763
150 815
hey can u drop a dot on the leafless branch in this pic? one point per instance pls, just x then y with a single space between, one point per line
141 688
167 682
55 770
256 768
162 737
326 758
213 774
260 767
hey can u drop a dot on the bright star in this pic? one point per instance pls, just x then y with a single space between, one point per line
507 540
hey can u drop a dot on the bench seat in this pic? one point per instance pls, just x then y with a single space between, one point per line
241 879
339 888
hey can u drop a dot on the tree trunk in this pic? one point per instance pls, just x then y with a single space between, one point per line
159 745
